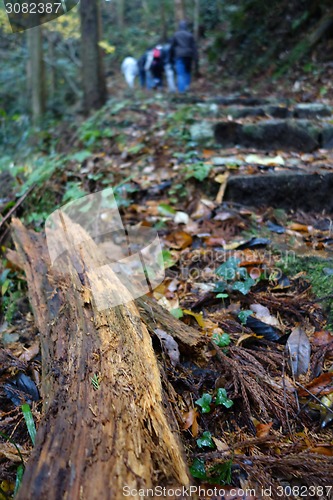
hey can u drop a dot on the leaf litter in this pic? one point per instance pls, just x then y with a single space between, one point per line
268 427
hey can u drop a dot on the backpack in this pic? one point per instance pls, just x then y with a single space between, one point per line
157 62
157 53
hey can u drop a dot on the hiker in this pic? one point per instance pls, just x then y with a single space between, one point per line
168 68
142 72
157 66
183 52
130 69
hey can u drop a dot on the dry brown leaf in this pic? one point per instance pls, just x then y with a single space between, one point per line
191 420
321 385
214 242
223 180
179 240
9 451
220 445
322 338
246 336
30 353
299 349
263 429
324 449
294 226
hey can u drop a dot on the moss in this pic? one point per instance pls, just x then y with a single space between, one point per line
318 271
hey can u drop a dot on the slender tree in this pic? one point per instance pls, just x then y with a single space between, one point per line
120 13
196 10
35 73
52 38
179 11
164 30
93 77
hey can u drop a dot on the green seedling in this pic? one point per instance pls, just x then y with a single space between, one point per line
221 340
222 398
205 441
29 420
204 402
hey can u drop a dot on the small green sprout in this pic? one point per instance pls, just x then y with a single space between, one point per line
29 420
205 441
222 398
243 315
96 380
204 402
221 340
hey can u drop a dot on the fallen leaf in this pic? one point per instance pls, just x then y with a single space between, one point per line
181 218
262 329
198 317
294 226
264 160
320 385
214 242
299 348
264 315
220 445
322 338
263 429
201 211
223 180
246 336
324 449
30 353
179 240
170 345
191 420
9 451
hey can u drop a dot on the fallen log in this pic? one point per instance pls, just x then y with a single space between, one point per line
107 424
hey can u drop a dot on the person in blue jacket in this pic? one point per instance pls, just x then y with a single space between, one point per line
184 53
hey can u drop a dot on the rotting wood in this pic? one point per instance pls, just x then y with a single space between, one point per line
97 438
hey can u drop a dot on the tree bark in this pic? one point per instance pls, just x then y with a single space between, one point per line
164 30
36 74
107 423
93 77
180 14
120 14
196 10
51 37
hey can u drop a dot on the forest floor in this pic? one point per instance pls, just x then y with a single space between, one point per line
255 405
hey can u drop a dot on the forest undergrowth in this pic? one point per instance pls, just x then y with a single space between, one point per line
255 403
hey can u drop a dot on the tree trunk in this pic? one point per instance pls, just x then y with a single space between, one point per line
51 37
36 73
107 423
120 14
164 30
93 78
196 9
180 14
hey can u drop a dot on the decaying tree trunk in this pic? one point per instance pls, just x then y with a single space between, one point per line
107 422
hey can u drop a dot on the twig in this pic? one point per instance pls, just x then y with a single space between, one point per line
285 396
314 397
15 207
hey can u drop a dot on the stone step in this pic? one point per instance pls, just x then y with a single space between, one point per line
308 192
267 135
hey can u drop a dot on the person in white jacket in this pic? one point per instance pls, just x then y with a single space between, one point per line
130 69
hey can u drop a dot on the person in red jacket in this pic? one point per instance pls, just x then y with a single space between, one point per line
184 52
